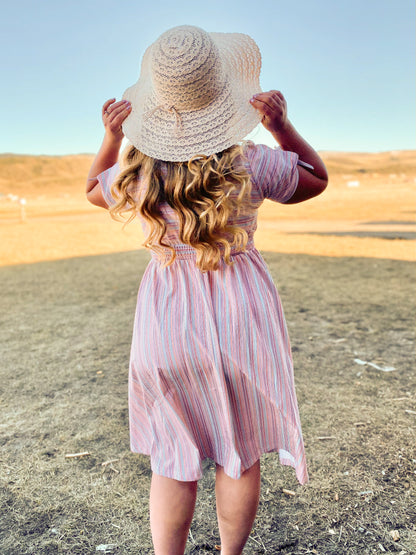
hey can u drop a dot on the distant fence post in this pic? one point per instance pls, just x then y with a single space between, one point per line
22 203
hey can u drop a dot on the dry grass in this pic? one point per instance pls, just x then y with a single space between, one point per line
65 338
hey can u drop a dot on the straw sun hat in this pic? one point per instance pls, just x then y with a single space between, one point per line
193 93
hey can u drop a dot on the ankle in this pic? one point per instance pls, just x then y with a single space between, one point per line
225 551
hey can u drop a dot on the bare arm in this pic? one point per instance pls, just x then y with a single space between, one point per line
272 106
113 114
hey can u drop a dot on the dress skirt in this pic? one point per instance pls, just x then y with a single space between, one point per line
211 370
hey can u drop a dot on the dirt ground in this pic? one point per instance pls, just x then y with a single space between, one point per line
344 266
65 335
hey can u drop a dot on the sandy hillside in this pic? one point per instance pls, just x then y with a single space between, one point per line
367 210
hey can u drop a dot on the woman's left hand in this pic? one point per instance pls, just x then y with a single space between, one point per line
113 114
273 109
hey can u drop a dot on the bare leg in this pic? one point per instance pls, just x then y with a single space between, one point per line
172 505
237 502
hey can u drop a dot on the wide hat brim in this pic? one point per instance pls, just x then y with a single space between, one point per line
177 136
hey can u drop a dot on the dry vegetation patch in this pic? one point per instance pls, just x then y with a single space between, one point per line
65 338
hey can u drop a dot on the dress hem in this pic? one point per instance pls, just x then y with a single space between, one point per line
285 458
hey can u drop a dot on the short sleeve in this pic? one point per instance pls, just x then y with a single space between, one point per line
106 179
274 172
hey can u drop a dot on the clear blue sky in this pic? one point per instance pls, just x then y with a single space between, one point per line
346 67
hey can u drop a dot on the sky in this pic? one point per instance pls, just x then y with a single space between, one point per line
346 67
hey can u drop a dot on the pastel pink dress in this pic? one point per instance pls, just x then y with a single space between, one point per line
211 372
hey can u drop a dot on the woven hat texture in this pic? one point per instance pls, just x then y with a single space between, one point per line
193 93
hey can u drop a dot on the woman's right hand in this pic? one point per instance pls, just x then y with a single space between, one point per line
113 114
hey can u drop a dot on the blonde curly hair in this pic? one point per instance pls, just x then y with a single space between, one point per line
204 192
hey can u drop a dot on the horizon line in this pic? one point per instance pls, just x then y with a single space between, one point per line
321 151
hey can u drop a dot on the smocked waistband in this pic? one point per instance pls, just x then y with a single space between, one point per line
187 252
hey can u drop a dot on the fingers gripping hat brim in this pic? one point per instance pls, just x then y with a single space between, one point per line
169 130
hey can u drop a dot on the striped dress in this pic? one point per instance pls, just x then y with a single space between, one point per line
211 371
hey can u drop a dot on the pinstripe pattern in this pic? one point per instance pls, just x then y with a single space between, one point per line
211 370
